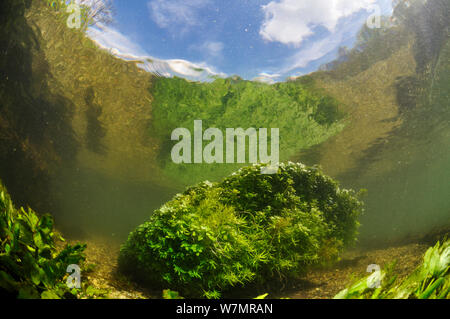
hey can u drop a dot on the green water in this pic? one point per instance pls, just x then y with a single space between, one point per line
91 204
414 196
411 198
406 171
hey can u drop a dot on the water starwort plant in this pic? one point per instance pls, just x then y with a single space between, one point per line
249 228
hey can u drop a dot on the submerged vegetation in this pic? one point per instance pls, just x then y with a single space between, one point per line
249 228
380 113
304 115
431 280
31 266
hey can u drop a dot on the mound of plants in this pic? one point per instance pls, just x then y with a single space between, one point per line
31 266
249 228
431 280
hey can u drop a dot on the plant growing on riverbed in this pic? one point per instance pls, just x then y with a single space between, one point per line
30 265
431 280
248 228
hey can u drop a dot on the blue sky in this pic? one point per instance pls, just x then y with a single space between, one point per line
255 39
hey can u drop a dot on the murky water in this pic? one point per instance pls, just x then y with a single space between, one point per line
406 173
97 163
92 204
413 195
89 119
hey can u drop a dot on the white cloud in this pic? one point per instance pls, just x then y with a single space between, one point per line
193 71
315 51
110 38
292 21
267 78
212 48
173 14
122 47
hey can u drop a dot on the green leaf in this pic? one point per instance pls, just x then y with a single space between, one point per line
31 249
7 282
28 293
37 238
169 294
36 277
427 293
46 224
48 294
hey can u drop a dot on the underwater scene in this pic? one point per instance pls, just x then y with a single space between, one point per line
207 149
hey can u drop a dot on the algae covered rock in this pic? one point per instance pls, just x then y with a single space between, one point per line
249 228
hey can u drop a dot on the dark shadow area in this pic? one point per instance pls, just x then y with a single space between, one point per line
35 123
95 130
408 90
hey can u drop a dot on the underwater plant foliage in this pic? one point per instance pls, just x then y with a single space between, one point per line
249 228
31 266
431 280
304 114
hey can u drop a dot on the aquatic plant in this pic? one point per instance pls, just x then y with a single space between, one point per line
249 228
30 264
431 280
304 116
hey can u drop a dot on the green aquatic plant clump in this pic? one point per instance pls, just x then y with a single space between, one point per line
31 266
249 228
431 280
